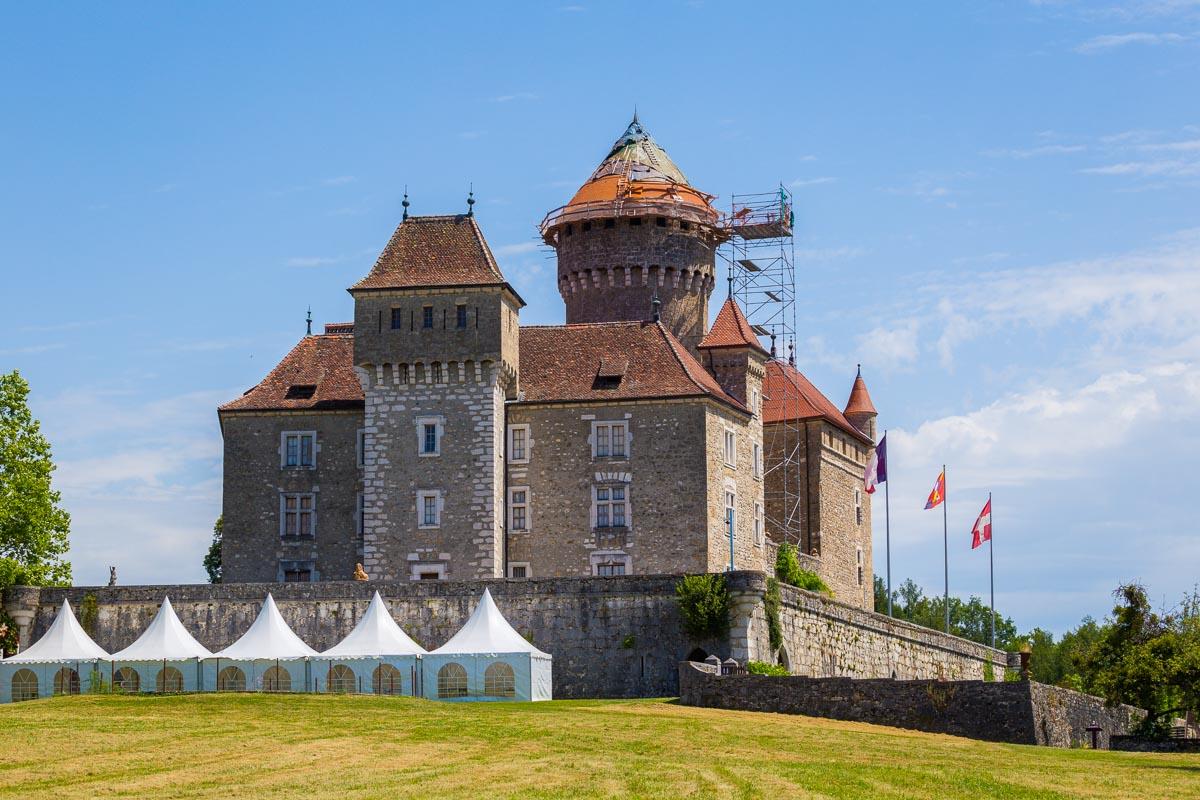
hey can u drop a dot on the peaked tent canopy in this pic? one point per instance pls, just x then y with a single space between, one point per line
269 638
165 640
375 635
487 631
65 640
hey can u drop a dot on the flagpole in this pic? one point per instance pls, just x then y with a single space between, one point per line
946 542
991 563
887 526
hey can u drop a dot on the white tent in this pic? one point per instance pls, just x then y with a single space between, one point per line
377 656
61 662
165 658
487 660
269 656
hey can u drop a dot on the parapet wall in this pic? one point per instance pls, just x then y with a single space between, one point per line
1020 712
610 637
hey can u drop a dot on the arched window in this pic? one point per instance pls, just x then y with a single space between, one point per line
499 681
24 685
340 679
127 679
386 680
231 679
452 681
169 681
66 681
276 679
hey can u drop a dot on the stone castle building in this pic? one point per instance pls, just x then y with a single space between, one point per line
436 438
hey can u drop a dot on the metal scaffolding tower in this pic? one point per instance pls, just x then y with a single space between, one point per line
760 257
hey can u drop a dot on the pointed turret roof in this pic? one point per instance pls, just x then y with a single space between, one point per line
376 634
268 638
64 640
788 395
165 639
860 400
637 156
487 631
731 329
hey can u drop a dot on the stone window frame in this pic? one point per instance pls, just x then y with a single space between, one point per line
609 424
416 568
440 431
861 564
426 318
754 403
627 503
524 428
286 565
759 525
756 468
283 511
858 506
439 505
526 507
603 558
729 497
360 447
360 517
300 436
524 565
729 446
461 316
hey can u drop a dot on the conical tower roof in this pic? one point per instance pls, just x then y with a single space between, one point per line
268 638
637 156
376 634
64 640
165 639
732 329
860 400
487 631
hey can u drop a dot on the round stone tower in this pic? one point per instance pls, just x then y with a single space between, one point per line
635 230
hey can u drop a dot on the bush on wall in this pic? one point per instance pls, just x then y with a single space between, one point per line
788 570
704 605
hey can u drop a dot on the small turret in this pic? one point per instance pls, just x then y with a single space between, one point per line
734 356
860 411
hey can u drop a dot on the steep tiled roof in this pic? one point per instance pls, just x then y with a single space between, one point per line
574 362
434 251
860 401
731 329
787 394
318 374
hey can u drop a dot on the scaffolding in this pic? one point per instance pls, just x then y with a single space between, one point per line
760 258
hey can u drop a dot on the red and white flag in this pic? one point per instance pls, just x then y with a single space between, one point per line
982 532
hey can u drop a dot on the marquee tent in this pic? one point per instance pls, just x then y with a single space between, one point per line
269 657
63 661
376 657
487 660
165 658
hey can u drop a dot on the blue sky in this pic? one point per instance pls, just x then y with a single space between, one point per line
997 216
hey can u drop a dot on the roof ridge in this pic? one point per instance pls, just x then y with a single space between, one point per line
674 345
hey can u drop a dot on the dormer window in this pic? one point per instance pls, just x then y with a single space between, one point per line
610 372
300 391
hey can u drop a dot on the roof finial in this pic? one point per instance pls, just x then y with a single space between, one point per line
791 354
309 321
773 353
655 307
405 204
859 375
730 279
471 201
635 116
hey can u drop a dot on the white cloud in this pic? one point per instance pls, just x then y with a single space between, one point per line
811 181
890 347
1170 168
312 261
841 253
1033 152
517 249
1113 41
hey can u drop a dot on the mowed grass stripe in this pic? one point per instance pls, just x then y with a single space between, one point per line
325 746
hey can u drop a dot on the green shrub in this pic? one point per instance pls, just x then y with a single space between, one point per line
788 570
771 606
89 614
989 671
763 668
629 642
704 605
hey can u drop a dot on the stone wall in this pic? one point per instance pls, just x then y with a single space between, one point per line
1017 712
610 637
1137 744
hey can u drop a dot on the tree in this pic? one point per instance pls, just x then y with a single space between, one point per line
33 525
970 619
212 559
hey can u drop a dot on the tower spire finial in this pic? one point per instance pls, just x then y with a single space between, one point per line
859 375
635 116
730 279
405 204
655 307
791 354
471 201
308 321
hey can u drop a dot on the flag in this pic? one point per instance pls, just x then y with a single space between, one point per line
982 532
939 492
876 466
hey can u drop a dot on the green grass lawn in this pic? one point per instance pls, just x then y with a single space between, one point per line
322 746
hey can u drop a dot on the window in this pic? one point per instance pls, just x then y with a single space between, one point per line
429 436
858 509
429 509
385 679
404 374
518 569
427 317
612 507
360 517
518 444
661 222
499 680
452 680
754 402
684 226
608 569
860 566
609 440
397 318
297 575
66 681
276 679
610 223
518 509
298 515
231 679
428 575
24 685
460 316
730 512
757 465
340 679
635 221
300 391
730 447
126 679
758 525
169 681
437 372
361 447
299 449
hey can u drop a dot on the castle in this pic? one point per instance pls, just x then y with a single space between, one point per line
434 438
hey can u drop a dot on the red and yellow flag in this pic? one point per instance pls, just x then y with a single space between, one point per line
938 495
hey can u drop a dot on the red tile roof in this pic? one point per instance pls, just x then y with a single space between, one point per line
860 401
323 362
788 395
434 251
731 329
562 363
